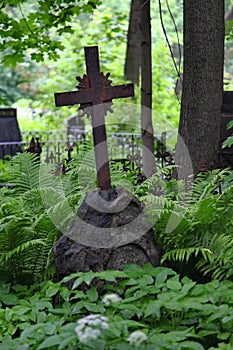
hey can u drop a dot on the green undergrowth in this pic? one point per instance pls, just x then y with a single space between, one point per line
142 308
192 222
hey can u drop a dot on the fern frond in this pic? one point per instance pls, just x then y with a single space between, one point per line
49 234
6 256
184 254
25 172
207 183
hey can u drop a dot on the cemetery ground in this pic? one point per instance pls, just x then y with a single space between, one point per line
186 303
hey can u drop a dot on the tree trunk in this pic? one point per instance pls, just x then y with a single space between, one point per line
132 62
146 90
199 127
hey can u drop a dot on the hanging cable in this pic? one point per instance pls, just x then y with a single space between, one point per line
177 35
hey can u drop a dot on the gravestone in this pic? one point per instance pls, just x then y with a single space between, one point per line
9 132
226 154
75 127
111 228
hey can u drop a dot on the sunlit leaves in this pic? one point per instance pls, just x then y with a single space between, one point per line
26 25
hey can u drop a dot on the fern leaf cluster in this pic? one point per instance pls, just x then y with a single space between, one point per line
198 224
28 214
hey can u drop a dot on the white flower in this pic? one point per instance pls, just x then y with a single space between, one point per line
87 333
137 338
113 298
89 327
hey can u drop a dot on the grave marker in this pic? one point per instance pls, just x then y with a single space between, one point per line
95 90
9 132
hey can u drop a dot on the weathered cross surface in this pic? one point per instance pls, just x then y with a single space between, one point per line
95 90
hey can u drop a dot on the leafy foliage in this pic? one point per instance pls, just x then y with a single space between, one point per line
192 222
39 209
31 23
197 223
165 312
29 217
229 141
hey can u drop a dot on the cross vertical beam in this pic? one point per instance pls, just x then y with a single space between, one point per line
98 122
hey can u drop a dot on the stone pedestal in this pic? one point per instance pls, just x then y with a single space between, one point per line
110 230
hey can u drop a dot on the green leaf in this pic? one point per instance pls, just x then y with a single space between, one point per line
173 285
38 57
153 308
51 341
191 345
227 319
70 337
190 303
92 294
4 288
228 142
20 309
171 337
145 280
111 275
8 299
187 288
64 293
77 282
52 290
161 277
133 309
222 311
19 288
12 60
94 308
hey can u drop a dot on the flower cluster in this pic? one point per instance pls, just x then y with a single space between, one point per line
113 298
89 327
137 338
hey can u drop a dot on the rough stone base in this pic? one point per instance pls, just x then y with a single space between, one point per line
110 230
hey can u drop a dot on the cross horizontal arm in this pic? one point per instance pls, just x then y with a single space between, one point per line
73 97
119 91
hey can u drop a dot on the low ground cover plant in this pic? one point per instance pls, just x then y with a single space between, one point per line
142 308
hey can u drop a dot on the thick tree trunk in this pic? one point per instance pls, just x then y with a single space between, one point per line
199 128
146 90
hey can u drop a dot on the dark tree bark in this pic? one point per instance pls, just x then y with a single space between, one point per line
139 56
132 63
146 90
199 127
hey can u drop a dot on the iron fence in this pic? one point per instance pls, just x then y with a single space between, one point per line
123 148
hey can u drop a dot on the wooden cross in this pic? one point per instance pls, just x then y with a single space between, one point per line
95 90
